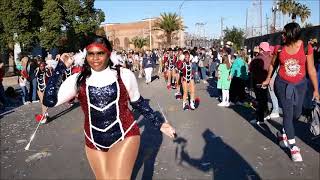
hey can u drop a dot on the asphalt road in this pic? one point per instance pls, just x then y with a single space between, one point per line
212 143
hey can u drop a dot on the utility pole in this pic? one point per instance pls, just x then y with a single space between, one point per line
267 19
181 32
222 27
260 2
247 22
150 35
275 8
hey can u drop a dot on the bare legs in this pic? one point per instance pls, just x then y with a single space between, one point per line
177 78
43 107
118 162
188 88
170 75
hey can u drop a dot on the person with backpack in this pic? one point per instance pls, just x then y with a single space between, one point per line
290 84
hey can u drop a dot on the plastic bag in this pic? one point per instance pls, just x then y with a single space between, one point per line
315 119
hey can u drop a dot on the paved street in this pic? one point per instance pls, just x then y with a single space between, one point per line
212 143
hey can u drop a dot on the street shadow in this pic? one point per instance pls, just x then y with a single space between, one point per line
6 112
154 78
249 114
52 118
212 88
222 159
302 132
150 142
13 100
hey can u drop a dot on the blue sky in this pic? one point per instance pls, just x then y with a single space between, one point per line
209 12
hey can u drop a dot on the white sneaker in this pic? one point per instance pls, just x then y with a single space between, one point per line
222 104
283 140
27 102
185 106
254 121
204 82
43 121
267 118
274 115
35 101
227 104
192 107
295 154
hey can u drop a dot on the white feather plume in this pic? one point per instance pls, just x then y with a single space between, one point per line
79 57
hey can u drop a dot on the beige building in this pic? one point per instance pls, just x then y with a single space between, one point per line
122 33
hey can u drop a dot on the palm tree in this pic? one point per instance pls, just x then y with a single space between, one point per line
169 23
139 42
305 13
294 9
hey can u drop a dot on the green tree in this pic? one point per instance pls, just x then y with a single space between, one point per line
48 22
79 18
139 42
21 18
234 35
52 22
169 23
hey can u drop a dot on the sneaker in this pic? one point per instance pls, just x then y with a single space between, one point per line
274 115
44 120
205 82
254 121
192 107
221 104
295 154
35 101
227 104
267 118
27 102
185 105
239 103
283 140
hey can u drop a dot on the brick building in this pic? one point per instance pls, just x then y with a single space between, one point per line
122 33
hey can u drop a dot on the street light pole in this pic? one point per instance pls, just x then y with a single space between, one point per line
222 18
150 39
260 1
179 13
